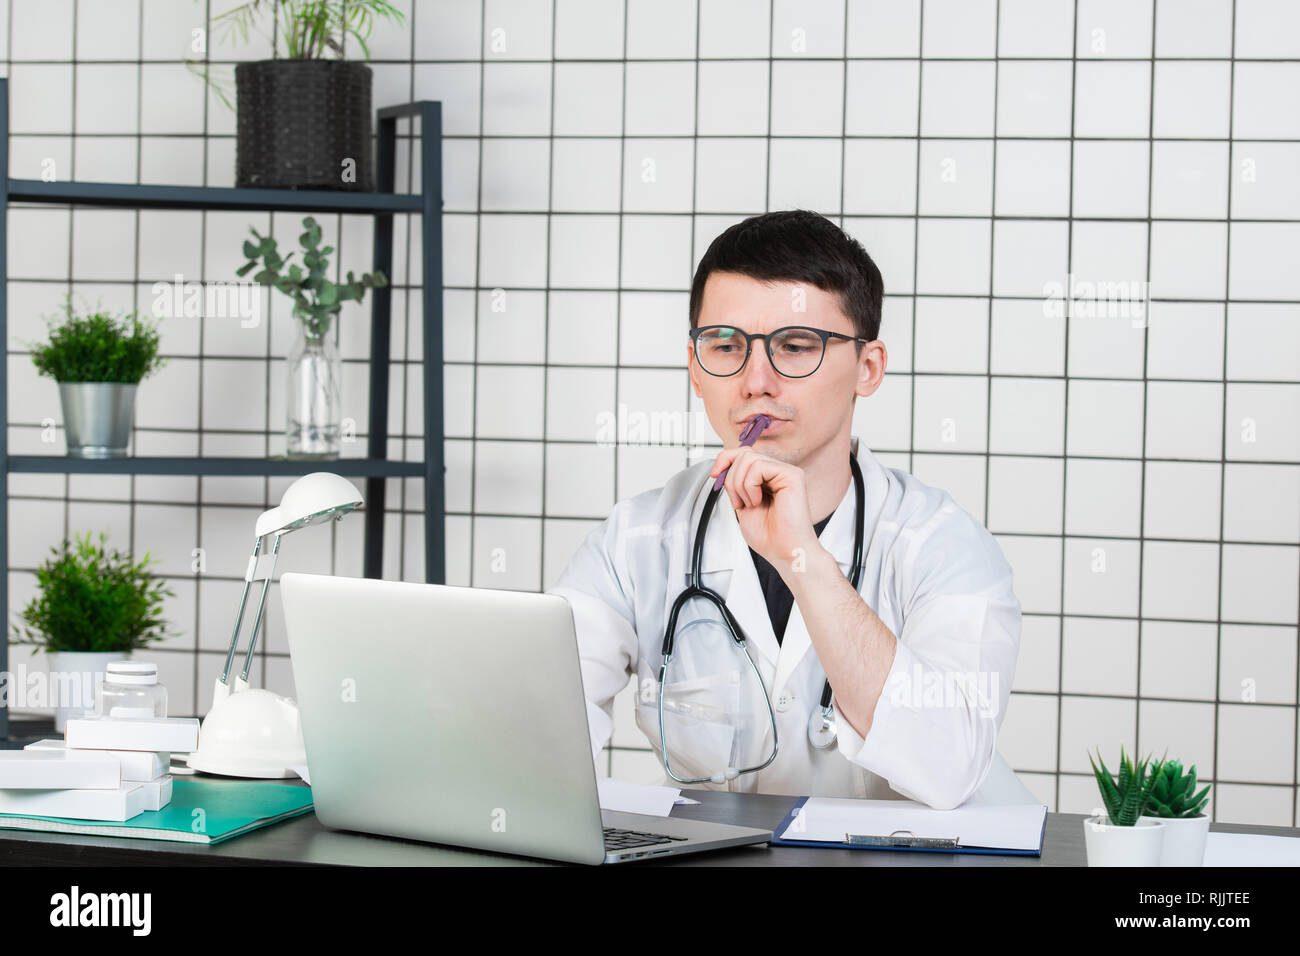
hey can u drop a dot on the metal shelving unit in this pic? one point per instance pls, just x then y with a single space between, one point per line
382 205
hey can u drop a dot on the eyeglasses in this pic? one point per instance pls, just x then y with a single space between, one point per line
795 351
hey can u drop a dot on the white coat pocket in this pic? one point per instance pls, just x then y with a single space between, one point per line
700 723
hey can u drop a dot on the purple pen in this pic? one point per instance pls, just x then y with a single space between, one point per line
747 438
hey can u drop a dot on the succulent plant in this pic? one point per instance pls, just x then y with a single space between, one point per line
316 300
1127 796
1174 794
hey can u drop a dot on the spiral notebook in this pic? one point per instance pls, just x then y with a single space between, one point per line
847 823
201 811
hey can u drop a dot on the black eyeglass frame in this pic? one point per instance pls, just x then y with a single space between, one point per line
767 345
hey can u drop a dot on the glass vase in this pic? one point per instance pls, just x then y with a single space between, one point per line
313 397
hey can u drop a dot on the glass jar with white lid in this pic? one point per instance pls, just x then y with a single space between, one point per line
131 689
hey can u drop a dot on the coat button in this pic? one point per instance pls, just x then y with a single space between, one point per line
784 701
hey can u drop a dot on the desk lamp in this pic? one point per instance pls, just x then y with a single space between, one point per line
251 732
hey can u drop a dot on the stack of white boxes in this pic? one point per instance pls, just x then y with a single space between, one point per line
105 768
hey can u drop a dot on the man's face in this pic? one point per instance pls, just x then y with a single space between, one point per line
807 413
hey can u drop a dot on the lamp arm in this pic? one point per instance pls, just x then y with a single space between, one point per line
243 601
261 605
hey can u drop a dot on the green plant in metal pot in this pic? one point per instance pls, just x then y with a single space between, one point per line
100 345
98 357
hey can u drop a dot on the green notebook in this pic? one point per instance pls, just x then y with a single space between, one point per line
229 808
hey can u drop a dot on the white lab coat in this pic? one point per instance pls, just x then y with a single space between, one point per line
933 574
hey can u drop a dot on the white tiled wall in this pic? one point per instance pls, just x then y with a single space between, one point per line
1142 475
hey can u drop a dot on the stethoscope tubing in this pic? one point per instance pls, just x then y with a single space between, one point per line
824 714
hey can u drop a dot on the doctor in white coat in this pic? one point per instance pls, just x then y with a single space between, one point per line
920 659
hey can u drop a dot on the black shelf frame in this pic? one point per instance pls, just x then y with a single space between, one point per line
382 205
351 467
133 196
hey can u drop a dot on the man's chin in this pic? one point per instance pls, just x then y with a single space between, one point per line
782 450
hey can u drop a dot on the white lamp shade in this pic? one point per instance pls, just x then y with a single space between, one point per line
310 500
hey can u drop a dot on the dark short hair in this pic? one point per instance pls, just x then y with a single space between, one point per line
797 245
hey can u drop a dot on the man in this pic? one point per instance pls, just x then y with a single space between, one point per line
919 659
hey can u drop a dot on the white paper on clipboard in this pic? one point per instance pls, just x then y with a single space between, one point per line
828 819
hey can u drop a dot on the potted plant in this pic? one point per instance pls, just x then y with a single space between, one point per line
98 359
303 121
1175 802
93 606
1122 837
313 398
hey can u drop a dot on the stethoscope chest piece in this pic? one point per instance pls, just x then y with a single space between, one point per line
821 728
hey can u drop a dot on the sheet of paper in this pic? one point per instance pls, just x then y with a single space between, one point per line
636 797
828 819
1251 849
682 801
302 772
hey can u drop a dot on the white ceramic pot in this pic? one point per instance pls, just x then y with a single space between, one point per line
73 678
1184 843
1109 845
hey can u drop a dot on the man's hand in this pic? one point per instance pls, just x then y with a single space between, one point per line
771 504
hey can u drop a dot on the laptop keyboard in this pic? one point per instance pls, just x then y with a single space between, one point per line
617 839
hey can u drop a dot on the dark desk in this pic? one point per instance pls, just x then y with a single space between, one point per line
303 841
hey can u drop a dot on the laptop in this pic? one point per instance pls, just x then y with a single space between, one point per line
456 715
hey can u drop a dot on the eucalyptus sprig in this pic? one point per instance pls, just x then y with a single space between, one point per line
316 300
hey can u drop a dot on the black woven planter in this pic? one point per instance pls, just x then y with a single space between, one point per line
300 122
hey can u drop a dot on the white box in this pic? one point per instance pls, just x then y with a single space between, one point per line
137 765
175 734
51 770
157 793
118 805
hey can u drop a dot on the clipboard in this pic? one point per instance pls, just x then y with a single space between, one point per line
897 840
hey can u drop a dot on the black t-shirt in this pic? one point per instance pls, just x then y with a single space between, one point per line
779 599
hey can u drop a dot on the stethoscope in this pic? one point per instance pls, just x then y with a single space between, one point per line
822 733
